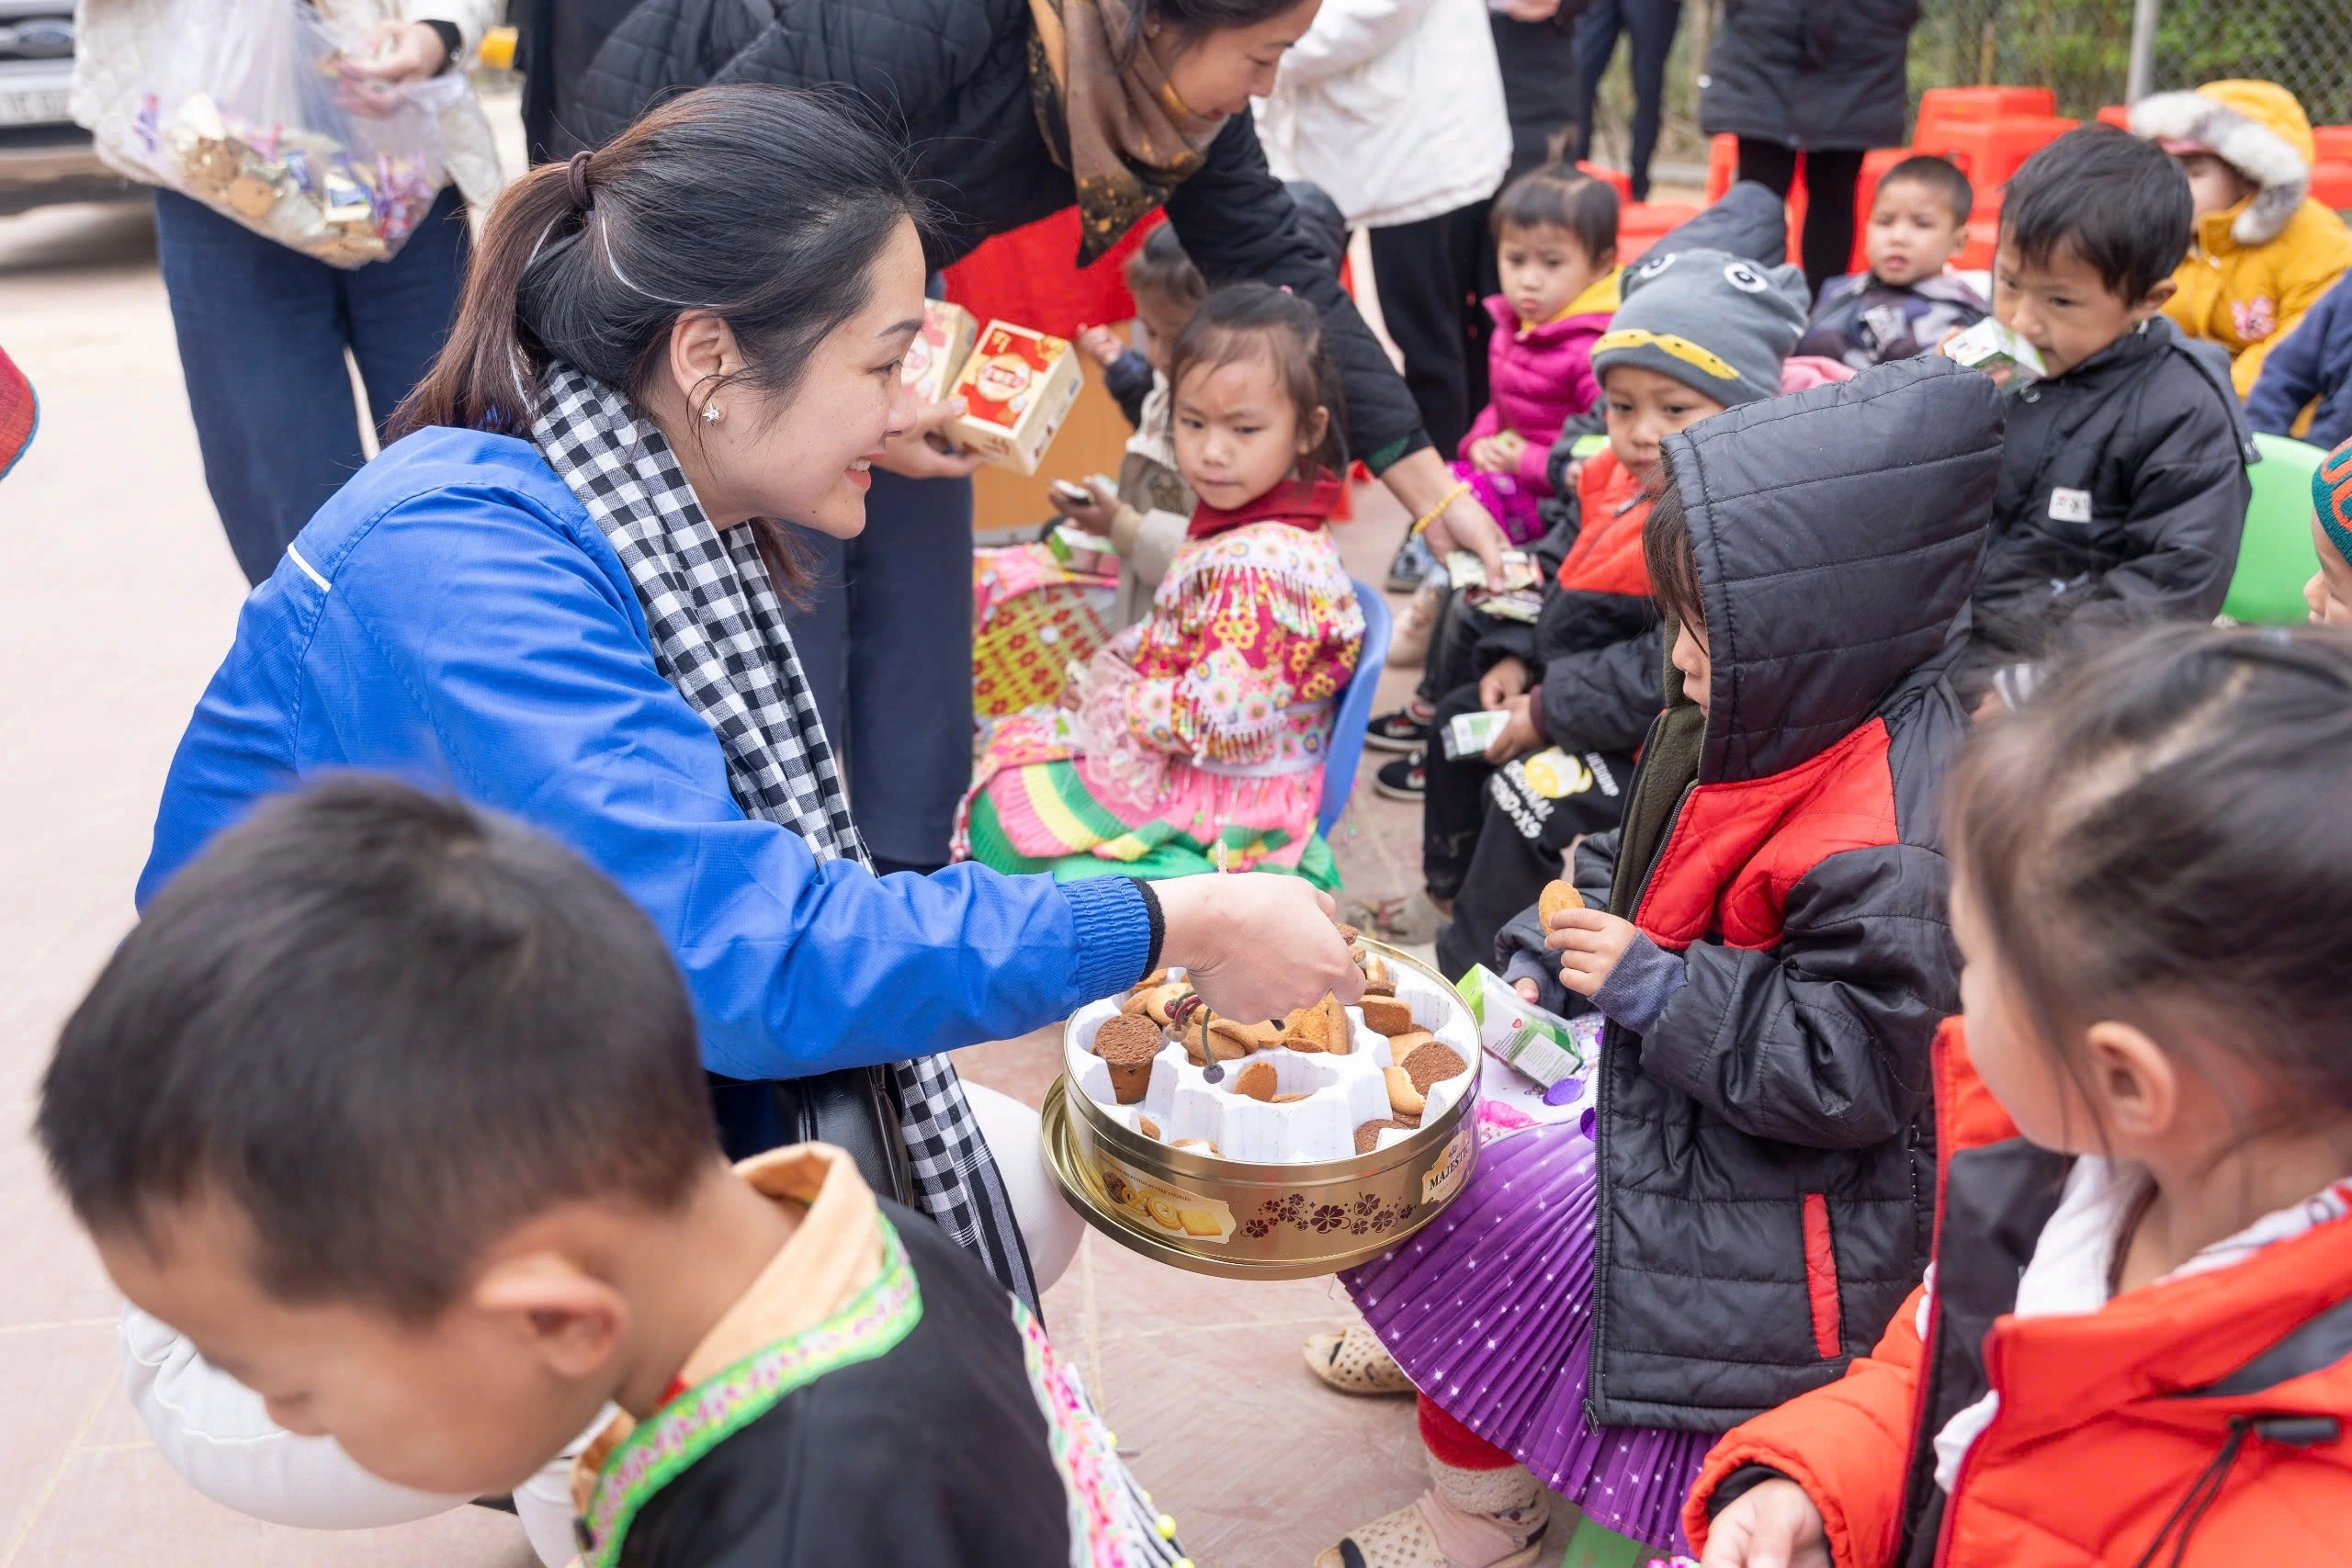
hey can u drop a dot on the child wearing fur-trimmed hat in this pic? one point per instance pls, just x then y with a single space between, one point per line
2264 251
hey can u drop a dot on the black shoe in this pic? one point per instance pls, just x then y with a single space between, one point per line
1411 566
1399 731
1407 778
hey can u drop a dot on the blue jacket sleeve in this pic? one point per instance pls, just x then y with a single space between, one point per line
2296 370
486 646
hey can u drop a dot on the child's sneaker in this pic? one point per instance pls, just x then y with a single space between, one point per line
1406 729
1412 566
1353 1360
1407 778
1469 1518
1408 645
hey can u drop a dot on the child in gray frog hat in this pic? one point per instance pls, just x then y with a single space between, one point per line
1717 324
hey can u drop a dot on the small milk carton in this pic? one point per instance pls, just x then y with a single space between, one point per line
939 350
1017 388
1542 1044
1988 345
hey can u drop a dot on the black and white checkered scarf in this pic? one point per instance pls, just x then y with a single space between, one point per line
719 638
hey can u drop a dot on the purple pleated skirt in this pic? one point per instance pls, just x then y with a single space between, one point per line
1489 1311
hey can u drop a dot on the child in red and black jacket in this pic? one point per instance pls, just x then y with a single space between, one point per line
1766 936
1701 331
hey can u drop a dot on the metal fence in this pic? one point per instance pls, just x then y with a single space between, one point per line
2080 49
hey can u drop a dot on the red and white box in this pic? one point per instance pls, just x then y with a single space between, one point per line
939 350
1017 387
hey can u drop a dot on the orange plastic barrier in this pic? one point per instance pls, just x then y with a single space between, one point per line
1641 224
1940 108
1989 151
1618 179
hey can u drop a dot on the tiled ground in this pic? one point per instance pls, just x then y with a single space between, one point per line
119 600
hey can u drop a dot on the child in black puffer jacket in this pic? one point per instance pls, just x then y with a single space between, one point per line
2124 488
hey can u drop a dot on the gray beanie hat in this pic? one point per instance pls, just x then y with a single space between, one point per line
1716 322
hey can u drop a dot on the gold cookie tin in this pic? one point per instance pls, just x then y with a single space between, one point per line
1259 1222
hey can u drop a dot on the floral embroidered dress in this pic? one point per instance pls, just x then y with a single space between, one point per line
1196 739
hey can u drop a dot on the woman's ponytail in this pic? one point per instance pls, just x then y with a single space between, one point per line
764 206
481 378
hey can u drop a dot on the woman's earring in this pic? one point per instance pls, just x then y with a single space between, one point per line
712 413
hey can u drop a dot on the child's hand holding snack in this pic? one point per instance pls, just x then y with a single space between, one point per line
1517 738
1088 502
1589 942
1499 452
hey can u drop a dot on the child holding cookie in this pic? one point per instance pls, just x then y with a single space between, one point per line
1194 740
1700 331
1766 935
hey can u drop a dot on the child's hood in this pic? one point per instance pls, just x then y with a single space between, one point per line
2257 128
1838 532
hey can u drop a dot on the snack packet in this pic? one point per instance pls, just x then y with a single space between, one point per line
249 108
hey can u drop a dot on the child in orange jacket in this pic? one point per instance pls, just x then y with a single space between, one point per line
2135 1347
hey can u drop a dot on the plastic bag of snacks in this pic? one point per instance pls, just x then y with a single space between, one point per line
251 109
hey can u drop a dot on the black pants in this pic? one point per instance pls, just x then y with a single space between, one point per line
1650 24
1830 175
886 642
1539 62
1454 804
1514 843
1431 276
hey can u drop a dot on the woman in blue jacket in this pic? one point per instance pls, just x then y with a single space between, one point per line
559 594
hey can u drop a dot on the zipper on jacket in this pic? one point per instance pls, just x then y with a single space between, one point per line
1610 1035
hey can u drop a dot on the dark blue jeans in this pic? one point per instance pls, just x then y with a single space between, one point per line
1651 25
886 642
261 334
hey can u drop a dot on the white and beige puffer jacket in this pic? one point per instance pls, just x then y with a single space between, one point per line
1393 107
116 43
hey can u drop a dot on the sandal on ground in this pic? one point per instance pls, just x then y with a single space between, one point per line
1353 1360
1408 921
1408 645
1404 1539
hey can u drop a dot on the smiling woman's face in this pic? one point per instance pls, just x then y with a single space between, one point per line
804 457
1216 72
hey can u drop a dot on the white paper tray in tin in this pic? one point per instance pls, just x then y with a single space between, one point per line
1342 1092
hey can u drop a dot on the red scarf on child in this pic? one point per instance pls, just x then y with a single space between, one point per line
1302 504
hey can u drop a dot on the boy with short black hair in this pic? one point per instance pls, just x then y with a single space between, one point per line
2123 488
396 1112
1905 302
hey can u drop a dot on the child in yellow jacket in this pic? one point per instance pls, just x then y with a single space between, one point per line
2265 250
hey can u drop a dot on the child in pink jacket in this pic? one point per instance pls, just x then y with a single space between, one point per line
1556 239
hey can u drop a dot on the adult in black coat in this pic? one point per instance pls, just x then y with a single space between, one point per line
1013 110
988 103
1824 78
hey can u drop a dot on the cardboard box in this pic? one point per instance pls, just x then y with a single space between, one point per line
1017 388
939 350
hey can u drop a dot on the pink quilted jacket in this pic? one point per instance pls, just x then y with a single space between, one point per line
1540 379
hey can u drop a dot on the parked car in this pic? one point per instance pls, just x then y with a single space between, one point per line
44 156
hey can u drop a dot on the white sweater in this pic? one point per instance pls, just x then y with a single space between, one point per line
115 42
1393 107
